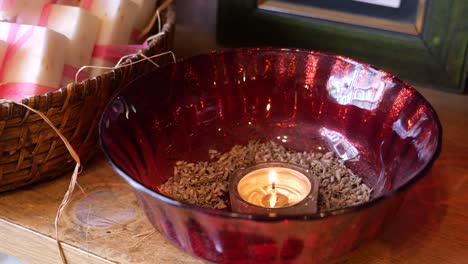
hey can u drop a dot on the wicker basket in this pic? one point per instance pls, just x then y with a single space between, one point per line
32 152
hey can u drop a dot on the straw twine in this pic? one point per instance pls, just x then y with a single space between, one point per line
71 186
73 153
73 181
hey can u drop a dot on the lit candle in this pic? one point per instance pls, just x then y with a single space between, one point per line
274 200
274 187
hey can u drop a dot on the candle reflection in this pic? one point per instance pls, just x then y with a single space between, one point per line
274 199
273 196
272 177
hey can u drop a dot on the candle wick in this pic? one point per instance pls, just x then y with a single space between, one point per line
273 186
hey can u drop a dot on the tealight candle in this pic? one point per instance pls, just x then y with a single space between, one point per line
274 188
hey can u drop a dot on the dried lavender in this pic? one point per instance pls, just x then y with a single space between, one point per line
206 183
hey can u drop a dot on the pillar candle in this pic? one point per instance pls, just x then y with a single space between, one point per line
33 60
118 19
146 9
79 26
10 9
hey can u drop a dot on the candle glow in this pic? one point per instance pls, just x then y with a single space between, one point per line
285 188
274 187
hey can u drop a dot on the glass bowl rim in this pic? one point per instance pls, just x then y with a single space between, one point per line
415 177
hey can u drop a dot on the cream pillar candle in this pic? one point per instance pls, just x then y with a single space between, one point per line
117 22
146 9
10 9
82 35
33 60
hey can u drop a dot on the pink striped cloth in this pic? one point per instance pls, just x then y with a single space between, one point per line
19 90
6 5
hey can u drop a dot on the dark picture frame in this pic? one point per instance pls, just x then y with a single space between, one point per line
437 54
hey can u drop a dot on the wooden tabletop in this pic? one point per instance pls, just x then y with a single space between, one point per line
106 225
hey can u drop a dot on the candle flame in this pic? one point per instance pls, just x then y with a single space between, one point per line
273 179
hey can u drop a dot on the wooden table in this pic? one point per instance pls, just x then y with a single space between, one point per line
108 226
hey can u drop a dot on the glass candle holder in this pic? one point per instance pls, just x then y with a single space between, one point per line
273 188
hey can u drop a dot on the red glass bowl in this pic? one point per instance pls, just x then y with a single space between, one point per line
384 129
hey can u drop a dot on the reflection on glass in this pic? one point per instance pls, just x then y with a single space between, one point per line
120 107
339 144
359 86
412 131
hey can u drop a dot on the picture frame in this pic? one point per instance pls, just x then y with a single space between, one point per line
436 54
